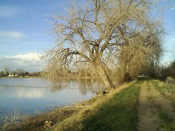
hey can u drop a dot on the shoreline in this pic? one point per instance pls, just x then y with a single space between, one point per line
59 78
52 118
21 77
55 115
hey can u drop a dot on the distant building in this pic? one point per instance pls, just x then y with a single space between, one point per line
13 75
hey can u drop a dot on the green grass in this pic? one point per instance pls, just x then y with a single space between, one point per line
116 112
167 91
167 123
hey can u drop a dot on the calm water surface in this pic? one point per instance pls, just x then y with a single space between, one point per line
33 95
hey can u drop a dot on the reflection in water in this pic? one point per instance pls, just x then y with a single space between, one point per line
56 87
90 85
31 95
84 85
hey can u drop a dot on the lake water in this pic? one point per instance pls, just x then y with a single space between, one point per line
33 95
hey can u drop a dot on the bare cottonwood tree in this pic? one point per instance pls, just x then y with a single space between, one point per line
96 33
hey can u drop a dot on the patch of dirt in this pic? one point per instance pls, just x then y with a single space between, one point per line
151 102
147 111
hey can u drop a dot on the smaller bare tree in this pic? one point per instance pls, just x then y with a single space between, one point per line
141 55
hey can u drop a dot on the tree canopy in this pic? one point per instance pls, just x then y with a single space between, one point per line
107 35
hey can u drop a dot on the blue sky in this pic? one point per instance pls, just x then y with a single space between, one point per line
24 31
168 39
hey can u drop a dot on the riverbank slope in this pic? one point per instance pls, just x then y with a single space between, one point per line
126 108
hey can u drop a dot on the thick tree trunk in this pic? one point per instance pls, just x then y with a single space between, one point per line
105 77
126 74
127 77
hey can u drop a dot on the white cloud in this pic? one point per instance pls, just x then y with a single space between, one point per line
6 11
32 57
28 62
11 34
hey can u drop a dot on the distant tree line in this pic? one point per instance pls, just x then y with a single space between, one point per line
17 73
168 71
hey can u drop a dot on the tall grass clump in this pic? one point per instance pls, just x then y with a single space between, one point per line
9 118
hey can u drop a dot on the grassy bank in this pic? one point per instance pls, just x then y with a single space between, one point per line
37 123
115 111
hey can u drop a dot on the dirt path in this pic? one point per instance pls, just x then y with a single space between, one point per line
147 112
151 102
